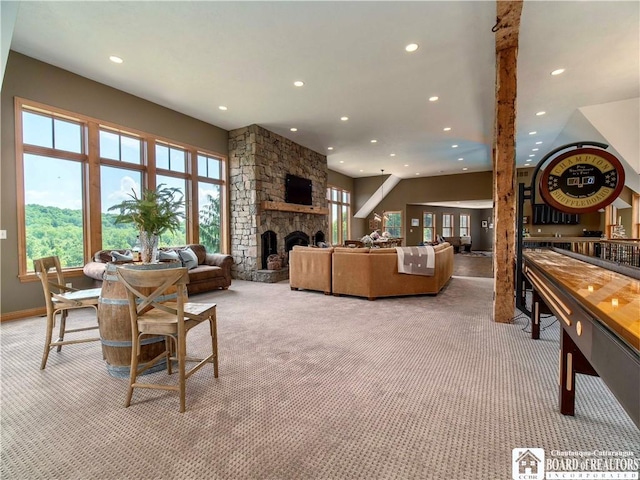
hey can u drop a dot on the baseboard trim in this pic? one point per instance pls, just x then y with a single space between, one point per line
20 314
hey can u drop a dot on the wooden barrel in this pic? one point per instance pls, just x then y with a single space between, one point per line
115 328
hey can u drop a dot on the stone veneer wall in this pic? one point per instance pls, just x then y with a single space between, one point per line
259 161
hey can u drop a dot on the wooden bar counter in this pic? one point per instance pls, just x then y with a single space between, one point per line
599 311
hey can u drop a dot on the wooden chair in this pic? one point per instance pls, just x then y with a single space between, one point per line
146 288
59 299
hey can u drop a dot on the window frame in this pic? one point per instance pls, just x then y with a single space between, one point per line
432 227
91 188
451 227
385 219
466 227
341 236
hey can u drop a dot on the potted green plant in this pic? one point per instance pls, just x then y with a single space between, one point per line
153 213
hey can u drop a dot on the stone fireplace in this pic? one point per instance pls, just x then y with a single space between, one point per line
261 224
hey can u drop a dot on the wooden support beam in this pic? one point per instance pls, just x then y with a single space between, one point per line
504 160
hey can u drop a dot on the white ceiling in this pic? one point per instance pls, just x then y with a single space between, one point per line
194 56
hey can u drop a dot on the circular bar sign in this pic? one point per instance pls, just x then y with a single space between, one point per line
581 181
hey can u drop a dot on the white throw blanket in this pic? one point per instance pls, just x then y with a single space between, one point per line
416 260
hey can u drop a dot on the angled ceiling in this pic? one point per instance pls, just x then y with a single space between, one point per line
195 56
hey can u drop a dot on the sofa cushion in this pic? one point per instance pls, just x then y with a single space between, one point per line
189 258
200 251
116 256
168 255
204 273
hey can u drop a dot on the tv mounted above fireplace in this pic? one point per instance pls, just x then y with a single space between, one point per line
297 190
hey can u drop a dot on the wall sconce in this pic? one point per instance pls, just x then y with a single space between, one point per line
614 302
590 288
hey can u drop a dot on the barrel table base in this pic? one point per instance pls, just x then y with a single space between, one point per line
117 354
115 330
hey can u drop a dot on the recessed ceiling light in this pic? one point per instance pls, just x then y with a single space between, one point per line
344 119
362 170
538 143
454 146
460 159
446 129
532 155
293 129
535 149
341 161
374 141
532 133
465 169
298 83
330 148
433 99
222 107
412 47
115 59
417 174
540 113
406 164
392 154
558 71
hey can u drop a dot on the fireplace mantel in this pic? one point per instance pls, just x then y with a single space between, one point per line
293 207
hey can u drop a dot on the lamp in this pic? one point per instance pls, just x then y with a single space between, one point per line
376 216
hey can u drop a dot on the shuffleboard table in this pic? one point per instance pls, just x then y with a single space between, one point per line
599 311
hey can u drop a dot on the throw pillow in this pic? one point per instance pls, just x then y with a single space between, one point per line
189 258
168 255
121 257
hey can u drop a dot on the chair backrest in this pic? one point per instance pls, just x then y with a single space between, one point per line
51 287
146 288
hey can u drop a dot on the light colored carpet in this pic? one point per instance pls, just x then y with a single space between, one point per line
310 387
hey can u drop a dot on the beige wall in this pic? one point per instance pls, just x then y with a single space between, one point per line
481 238
34 80
414 191
335 179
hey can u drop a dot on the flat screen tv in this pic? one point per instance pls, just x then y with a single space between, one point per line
297 190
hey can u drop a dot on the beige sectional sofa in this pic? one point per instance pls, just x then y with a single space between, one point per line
310 268
364 272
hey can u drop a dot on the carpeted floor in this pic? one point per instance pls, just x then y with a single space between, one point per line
474 264
310 387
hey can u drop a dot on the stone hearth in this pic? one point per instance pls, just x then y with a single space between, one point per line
259 161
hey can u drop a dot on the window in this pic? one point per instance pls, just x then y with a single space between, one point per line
53 166
179 237
428 227
339 214
447 225
116 184
67 183
210 201
392 223
465 222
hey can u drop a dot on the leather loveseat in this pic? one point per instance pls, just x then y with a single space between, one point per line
365 272
212 272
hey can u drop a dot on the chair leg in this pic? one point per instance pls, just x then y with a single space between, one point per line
168 346
214 344
63 326
47 341
182 354
133 372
